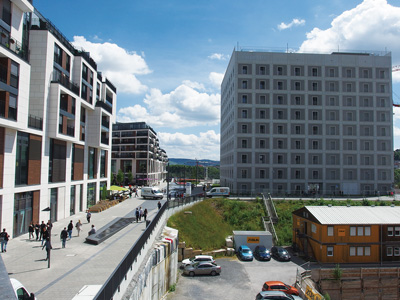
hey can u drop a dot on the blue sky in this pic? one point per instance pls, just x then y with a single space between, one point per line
167 58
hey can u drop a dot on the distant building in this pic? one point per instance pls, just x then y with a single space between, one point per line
340 234
301 124
56 111
136 149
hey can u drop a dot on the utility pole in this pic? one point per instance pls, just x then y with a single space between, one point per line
197 166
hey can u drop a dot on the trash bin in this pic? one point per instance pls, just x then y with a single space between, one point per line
148 222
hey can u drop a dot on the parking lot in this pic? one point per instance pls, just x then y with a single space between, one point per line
238 280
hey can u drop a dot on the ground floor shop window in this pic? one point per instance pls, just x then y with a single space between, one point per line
22 213
91 194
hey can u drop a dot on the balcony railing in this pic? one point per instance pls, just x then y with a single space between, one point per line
14 46
65 82
35 122
104 106
70 130
104 140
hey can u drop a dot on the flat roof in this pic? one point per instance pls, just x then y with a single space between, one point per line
331 215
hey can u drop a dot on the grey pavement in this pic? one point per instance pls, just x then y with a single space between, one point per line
80 263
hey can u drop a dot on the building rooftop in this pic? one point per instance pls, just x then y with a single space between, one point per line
333 215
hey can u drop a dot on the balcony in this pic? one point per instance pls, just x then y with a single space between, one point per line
65 82
104 105
104 140
70 130
105 125
35 122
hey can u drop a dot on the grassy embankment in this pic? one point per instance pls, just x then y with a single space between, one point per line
212 220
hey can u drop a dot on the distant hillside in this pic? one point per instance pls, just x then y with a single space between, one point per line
192 162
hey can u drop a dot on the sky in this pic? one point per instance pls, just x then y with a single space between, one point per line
167 58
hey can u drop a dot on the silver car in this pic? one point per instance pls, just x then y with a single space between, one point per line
276 295
202 268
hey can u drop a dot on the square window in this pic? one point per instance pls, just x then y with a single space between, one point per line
389 251
397 231
390 231
396 251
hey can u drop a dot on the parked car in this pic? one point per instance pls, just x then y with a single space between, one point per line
245 253
280 253
280 286
196 259
20 291
262 253
218 192
276 295
202 268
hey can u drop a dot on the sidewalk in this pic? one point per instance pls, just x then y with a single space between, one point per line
79 263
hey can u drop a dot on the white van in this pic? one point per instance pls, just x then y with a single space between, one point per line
20 291
151 193
218 192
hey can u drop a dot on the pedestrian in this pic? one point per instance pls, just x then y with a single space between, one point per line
4 240
42 227
137 214
140 213
31 230
78 226
37 230
159 204
63 236
145 214
88 216
49 227
135 190
48 247
92 231
70 227
45 235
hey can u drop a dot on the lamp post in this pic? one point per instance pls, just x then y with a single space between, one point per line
168 182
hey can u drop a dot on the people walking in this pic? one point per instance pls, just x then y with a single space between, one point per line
92 231
4 240
48 247
45 235
78 226
88 216
140 213
31 230
145 214
135 190
49 228
137 214
70 227
63 236
37 230
159 204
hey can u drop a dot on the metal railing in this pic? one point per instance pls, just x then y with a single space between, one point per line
35 122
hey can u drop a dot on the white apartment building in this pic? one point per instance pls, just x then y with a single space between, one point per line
136 149
56 115
301 124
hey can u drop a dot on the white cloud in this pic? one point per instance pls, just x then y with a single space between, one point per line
219 56
216 78
372 25
118 65
183 107
295 22
200 146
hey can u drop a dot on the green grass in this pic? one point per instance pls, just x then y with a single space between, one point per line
212 220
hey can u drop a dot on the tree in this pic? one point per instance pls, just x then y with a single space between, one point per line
104 192
120 176
397 178
130 177
397 154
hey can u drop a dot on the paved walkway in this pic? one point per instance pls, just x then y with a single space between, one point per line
79 263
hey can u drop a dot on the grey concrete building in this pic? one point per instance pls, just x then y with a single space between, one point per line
136 149
298 124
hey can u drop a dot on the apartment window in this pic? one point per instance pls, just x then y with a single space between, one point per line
244 70
333 159
280 174
297 115
381 74
297 100
280 70
262 71
262 114
348 87
330 230
350 160
349 116
397 231
367 231
297 129
103 165
367 251
244 143
331 86
262 158
262 85
262 143
262 99
12 107
280 129
244 84
389 251
279 99
349 130
297 159
390 231
244 114
332 130
313 228
297 86
360 231
262 128
315 86
332 101
315 130
280 144
280 114
280 159
244 99
244 158
298 144
352 251
383 131
14 75
349 73
329 251
382 88
360 251
383 117
244 173
22 158
367 160
315 174
314 72
315 145
244 128
280 85
315 115
352 231
297 174
314 100
315 160
297 71
262 173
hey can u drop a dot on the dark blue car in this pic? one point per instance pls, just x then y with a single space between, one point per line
262 253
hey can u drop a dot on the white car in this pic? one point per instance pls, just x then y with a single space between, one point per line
20 291
197 258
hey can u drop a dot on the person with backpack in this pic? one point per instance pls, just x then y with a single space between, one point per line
70 227
4 240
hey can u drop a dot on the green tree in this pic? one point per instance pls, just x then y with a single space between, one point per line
397 178
104 193
397 154
120 176
130 177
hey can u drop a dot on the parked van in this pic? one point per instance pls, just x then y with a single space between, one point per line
218 192
151 193
20 291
